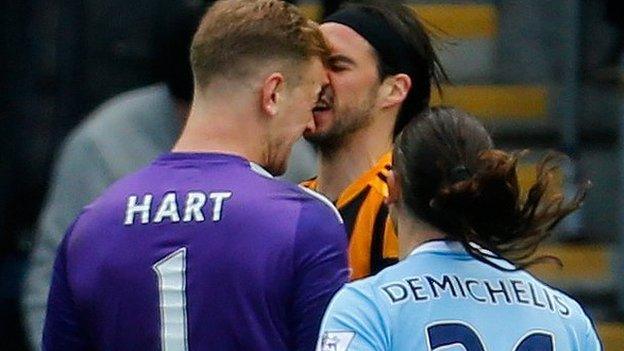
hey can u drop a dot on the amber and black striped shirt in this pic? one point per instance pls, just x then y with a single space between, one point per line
373 244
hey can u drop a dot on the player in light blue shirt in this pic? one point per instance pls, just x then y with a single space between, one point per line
466 232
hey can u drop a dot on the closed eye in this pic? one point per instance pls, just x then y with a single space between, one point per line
339 63
337 68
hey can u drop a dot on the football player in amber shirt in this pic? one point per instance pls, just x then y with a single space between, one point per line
381 71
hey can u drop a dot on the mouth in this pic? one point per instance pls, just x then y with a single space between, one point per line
321 107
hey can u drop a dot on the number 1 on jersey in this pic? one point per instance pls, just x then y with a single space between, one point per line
171 273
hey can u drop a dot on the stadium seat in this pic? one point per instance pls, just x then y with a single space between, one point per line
494 102
581 262
462 21
612 335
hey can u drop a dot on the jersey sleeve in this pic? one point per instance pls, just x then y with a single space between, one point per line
320 268
353 321
591 340
62 328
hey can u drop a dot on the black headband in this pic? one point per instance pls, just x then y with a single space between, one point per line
391 48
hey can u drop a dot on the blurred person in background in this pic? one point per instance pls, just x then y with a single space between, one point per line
119 137
466 233
130 262
124 134
61 58
382 69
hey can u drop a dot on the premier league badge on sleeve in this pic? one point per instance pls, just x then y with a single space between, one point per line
336 340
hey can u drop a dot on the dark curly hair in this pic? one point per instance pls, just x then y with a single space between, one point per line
454 179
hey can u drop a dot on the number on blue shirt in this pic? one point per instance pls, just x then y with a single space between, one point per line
458 333
171 273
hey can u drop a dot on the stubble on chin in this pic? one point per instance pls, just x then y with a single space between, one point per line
345 124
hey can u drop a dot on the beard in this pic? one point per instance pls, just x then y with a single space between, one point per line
347 121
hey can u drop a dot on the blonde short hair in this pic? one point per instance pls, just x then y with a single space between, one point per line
234 36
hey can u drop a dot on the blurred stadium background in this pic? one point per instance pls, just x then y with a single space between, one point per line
542 74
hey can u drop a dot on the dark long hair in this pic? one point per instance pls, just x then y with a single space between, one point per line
454 179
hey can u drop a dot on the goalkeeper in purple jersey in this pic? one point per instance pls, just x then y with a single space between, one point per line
203 249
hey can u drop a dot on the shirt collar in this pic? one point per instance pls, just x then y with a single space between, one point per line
442 245
260 170
438 246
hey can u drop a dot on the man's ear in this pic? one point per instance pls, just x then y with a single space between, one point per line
396 89
394 189
271 90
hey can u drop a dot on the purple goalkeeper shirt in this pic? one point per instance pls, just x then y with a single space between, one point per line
198 251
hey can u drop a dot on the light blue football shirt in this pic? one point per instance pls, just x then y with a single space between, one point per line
440 298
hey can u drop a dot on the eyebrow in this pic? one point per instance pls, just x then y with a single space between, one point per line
337 58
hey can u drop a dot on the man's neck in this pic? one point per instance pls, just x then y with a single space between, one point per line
218 129
361 151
